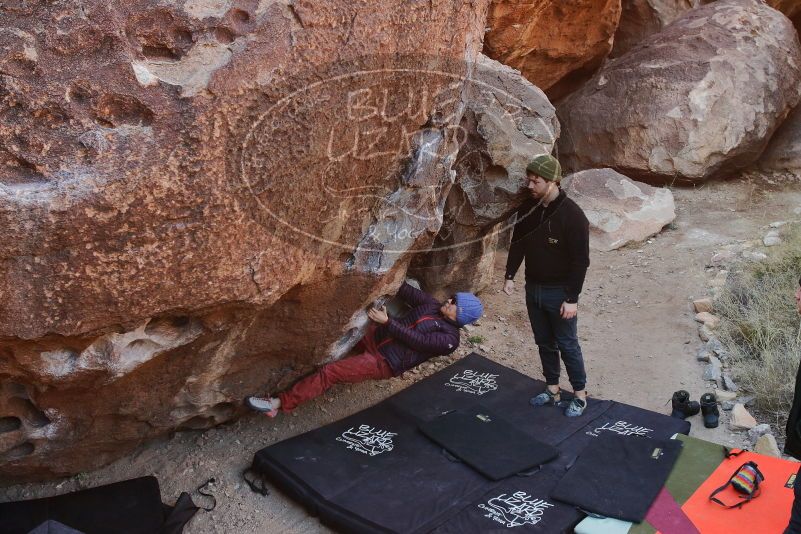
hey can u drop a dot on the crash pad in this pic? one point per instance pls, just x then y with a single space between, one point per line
619 476
769 513
517 504
375 471
697 461
487 442
130 506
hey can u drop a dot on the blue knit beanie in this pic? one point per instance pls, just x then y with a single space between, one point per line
468 308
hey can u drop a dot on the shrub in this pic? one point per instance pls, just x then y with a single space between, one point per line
760 325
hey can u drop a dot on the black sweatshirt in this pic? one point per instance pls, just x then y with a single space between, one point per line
555 241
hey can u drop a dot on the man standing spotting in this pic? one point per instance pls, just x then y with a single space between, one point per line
552 234
793 444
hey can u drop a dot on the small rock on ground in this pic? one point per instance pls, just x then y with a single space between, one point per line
703 354
724 396
741 419
755 256
709 320
759 431
703 305
728 383
715 345
704 333
712 371
767 445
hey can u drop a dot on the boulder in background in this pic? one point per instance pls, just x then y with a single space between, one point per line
620 211
698 100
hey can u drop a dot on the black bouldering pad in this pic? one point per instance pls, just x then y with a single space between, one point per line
371 472
131 507
517 504
374 471
618 476
488 443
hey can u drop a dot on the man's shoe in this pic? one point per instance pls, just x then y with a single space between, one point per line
709 408
261 404
683 407
545 398
576 407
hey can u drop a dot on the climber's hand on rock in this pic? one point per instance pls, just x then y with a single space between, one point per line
379 315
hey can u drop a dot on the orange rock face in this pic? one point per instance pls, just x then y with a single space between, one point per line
199 199
552 41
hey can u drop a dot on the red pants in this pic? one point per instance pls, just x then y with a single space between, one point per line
350 370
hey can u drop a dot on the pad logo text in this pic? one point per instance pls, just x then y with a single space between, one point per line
621 427
473 382
516 509
368 440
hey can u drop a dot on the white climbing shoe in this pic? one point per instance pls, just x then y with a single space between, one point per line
261 404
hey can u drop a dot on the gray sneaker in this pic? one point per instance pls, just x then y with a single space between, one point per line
576 407
545 398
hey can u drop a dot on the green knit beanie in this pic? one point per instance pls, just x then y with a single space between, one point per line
547 167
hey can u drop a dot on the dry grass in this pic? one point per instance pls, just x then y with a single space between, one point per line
760 325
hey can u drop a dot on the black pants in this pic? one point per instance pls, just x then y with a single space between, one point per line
554 335
795 513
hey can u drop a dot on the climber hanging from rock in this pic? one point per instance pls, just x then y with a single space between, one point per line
390 347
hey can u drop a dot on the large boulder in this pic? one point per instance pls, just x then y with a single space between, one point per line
641 18
783 154
620 211
555 44
198 199
507 121
698 100
790 8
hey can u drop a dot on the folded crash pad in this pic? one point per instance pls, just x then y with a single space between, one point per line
488 443
375 471
130 507
769 513
697 461
618 476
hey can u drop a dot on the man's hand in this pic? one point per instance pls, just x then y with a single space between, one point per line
568 310
379 315
508 287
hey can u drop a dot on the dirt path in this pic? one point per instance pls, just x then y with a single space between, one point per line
637 331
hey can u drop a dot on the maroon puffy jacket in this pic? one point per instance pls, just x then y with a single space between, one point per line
411 344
